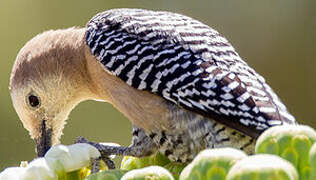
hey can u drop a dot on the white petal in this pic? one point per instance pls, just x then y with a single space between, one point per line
39 169
73 157
12 173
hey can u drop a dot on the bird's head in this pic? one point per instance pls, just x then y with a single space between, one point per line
48 79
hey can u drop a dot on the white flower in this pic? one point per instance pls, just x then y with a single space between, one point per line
39 169
12 173
72 157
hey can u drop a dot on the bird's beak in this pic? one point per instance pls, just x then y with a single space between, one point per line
44 142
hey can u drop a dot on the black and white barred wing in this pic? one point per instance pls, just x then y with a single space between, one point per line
187 63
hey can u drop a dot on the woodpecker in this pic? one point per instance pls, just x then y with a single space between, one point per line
180 83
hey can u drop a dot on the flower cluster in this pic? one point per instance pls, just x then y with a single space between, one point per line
282 152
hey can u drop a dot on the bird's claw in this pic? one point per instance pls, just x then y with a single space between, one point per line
95 163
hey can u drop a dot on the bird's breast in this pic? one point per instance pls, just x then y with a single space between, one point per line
143 109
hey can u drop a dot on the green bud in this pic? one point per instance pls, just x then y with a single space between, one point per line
175 168
148 173
158 159
130 162
212 164
312 161
262 167
107 175
291 142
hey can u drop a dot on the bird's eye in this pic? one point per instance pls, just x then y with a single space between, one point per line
34 101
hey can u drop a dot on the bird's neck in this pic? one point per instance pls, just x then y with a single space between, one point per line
75 68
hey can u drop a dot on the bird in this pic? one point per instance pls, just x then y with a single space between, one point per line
181 84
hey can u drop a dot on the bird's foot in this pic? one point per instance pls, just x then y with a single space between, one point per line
95 163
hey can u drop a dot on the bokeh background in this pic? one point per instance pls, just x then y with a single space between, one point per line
277 38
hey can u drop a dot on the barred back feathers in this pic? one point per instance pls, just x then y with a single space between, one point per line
187 63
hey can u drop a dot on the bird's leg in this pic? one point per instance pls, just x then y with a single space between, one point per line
141 146
95 165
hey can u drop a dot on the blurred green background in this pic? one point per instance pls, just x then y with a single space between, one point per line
277 38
